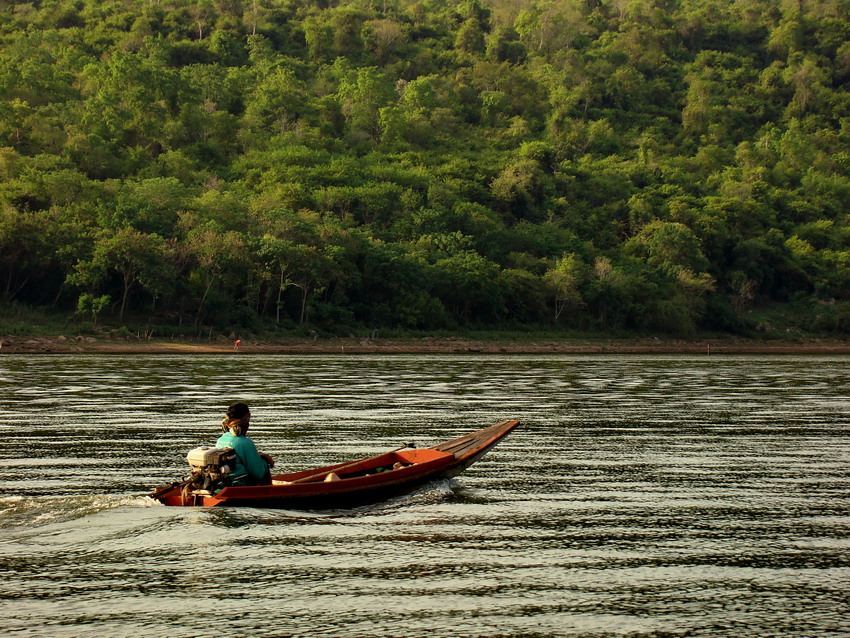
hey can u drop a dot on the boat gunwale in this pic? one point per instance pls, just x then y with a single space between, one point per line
340 486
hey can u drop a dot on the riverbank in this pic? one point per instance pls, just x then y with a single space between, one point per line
425 345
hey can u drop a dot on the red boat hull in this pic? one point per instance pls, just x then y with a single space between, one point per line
358 482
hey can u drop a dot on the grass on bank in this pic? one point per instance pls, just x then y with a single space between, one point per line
796 320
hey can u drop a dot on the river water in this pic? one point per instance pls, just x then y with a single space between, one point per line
643 495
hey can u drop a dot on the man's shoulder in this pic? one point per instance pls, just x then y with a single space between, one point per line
228 440
225 440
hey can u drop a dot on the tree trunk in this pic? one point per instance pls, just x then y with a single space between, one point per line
279 297
305 290
9 281
203 299
58 294
267 294
19 288
560 304
128 281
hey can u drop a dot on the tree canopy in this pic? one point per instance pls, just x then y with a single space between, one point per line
664 165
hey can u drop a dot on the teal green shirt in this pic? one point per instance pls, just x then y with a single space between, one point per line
249 463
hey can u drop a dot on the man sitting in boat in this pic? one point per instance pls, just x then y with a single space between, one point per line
252 466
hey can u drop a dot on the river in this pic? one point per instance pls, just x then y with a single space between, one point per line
643 495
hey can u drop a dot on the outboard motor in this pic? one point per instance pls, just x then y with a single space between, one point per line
210 466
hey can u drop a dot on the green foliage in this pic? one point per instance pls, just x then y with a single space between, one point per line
137 258
92 306
643 165
564 281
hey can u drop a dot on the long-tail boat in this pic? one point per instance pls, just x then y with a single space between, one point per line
347 484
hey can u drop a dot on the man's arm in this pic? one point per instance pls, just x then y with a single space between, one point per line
253 460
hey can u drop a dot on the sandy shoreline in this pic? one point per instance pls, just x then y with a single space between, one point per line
427 345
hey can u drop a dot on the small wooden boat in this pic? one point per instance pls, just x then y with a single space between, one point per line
352 483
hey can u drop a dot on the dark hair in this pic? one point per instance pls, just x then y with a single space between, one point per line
237 411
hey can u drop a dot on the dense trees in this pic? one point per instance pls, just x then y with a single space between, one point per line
645 164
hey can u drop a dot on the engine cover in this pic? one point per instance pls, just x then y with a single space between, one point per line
212 458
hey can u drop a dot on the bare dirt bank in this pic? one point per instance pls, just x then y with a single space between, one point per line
427 345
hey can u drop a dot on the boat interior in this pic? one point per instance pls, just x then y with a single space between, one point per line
389 462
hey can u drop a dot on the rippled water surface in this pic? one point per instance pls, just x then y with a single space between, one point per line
642 496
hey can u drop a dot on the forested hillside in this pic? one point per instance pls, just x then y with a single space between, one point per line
587 164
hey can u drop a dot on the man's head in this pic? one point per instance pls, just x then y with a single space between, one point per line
238 411
237 419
